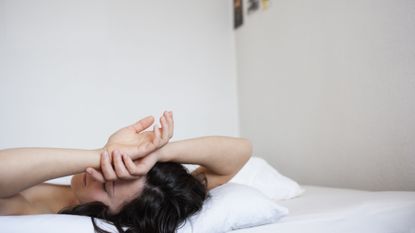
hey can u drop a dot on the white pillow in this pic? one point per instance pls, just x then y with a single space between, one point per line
233 206
257 173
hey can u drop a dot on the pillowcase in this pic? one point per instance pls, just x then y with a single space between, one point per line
233 206
257 173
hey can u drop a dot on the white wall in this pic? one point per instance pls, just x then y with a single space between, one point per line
327 91
72 72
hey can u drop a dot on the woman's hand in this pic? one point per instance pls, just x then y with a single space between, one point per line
117 166
133 142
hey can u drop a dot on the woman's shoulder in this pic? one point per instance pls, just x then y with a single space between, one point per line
42 192
15 205
34 200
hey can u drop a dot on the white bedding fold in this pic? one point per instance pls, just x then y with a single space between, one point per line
327 210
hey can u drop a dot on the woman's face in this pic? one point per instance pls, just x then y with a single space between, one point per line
112 193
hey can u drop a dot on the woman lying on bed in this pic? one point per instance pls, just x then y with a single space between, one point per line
134 181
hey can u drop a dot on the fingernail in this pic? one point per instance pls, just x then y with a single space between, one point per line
105 154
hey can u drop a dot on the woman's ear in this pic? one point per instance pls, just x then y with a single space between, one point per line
201 177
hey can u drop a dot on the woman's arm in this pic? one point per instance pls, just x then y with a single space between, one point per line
22 168
220 158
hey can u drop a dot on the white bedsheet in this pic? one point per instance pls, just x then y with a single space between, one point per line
323 209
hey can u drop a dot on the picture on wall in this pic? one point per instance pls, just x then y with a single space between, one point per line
266 4
253 5
238 13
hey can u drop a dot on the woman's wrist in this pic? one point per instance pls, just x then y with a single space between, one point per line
163 154
96 157
100 150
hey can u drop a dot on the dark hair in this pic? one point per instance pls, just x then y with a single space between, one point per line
170 195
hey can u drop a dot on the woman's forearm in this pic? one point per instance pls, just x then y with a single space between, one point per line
24 167
223 156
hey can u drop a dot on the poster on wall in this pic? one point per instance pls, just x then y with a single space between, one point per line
265 4
253 5
237 13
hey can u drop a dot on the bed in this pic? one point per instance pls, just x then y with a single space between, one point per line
259 199
323 209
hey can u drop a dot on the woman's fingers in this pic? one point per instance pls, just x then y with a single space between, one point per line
118 168
143 124
165 130
132 169
157 139
170 122
106 167
121 167
95 174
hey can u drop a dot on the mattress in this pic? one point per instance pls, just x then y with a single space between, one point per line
323 209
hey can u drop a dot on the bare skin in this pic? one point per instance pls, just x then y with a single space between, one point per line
113 174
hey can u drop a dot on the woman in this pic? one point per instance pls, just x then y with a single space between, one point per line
135 181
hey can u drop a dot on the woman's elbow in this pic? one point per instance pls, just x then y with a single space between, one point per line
247 149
